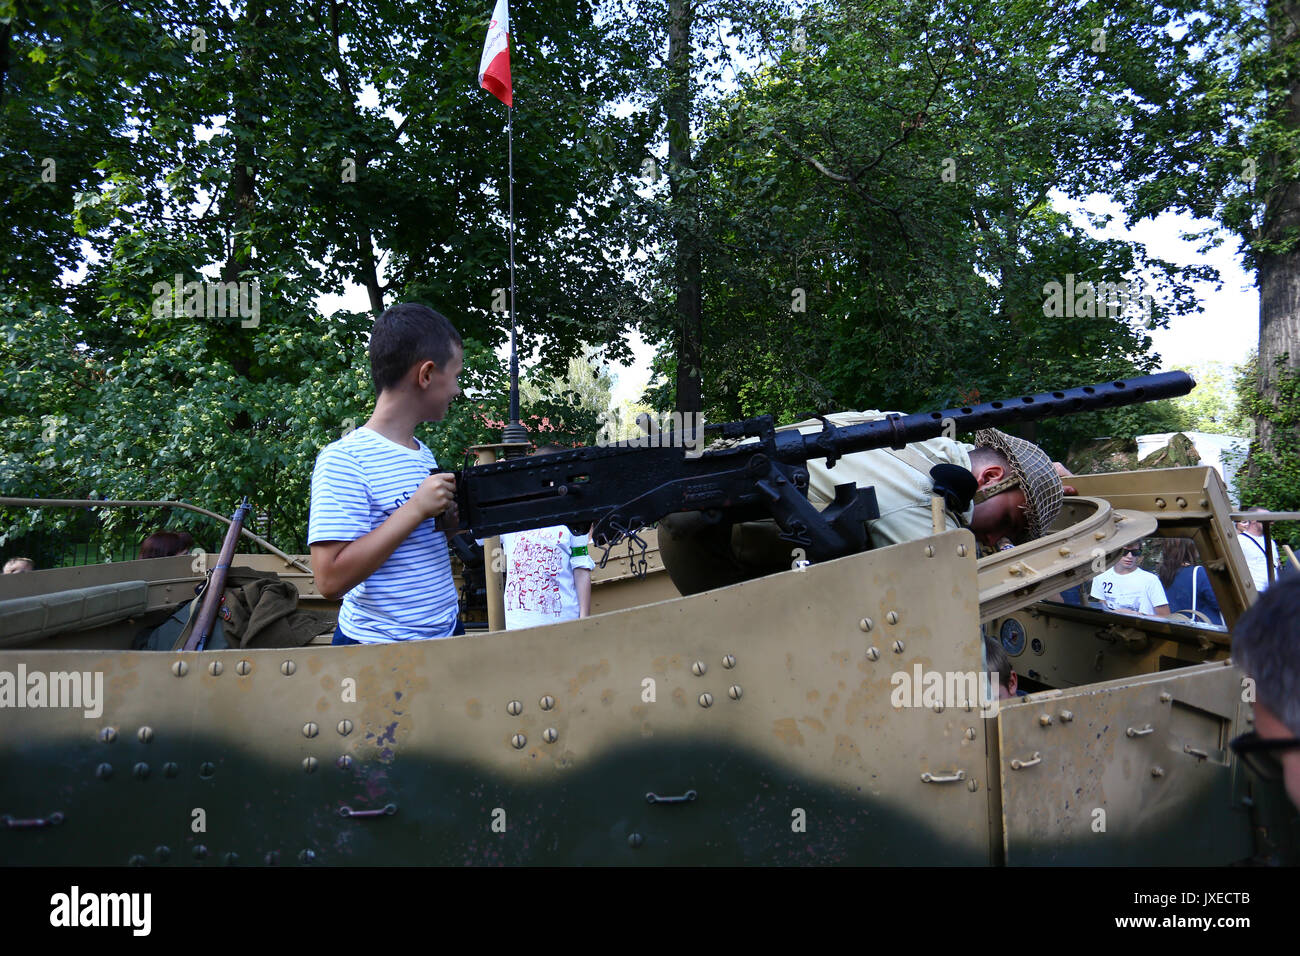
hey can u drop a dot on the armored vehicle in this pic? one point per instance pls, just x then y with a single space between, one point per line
792 718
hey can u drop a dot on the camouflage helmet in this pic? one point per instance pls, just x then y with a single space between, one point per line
1032 472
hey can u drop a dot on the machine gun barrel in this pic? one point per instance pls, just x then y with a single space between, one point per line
896 431
619 488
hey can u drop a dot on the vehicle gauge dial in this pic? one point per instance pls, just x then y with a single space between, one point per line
1013 637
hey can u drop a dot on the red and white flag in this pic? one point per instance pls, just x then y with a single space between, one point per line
494 68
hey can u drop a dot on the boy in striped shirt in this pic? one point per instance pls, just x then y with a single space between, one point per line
373 534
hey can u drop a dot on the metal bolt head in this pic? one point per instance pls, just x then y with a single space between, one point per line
108 734
137 859
519 741
170 769
309 764
698 668
734 692
345 762
898 647
961 550
550 735
345 727
243 668
728 661
145 734
892 617
1067 716
970 733
515 708
310 729
287 668
272 858
929 551
1157 771
938 708
972 784
215 668
1166 697
230 859
200 851
104 771
207 769
1160 502
634 840
307 856
706 699
141 771
873 653
162 853
1063 551
1045 720
547 702
866 624
180 668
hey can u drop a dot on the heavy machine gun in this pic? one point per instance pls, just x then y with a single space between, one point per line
620 488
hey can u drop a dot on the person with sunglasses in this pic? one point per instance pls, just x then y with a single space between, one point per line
1266 646
1128 589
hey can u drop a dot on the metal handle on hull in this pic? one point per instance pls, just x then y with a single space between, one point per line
687 797
385 811
928 777
53 820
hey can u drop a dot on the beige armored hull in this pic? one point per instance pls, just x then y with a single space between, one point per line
836 713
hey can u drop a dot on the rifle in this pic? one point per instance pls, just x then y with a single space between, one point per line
623 487
216 585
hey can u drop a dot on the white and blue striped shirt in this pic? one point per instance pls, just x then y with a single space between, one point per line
358 482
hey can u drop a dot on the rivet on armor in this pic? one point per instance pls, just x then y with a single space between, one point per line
1098 535
1067 716
938 708
345 762
307 856
1165 697
970 733
345 727
309 764
734 692
550 735
145 734
162 853
929 551
547 702
287 668
1016 569
519 741
515 708
1181 502
310 729
1203 503
892 617
698 668
207 769
104 771
170 769
215 668
141 771
728 661
706 699
1157 771
1063 551
961 550
1045 720
866 624
230 859
1160 502
634 840
272 858
243 667
108 734
180 668
200 852
972 785
898 647
873 654
137 859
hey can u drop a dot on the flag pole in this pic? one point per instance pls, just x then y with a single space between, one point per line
514 432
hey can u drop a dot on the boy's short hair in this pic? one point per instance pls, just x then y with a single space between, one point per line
997 659
405 335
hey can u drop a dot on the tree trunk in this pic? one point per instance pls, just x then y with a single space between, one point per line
684 192
1279 272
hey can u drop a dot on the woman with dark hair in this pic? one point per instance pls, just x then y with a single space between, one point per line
164 544
1186 583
